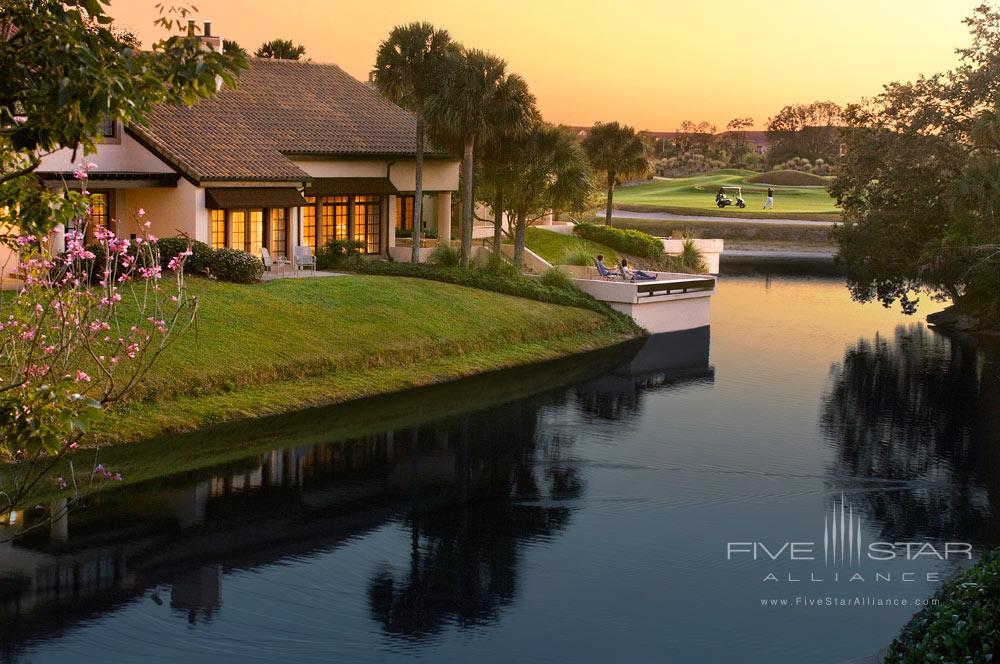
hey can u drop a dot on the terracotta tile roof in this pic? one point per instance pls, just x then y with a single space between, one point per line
279 108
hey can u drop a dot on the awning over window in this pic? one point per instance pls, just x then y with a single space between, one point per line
252 197
345 186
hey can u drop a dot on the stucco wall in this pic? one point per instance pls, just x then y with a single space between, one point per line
439 174
171 211
126 155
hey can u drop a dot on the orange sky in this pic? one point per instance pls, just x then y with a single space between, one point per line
649 63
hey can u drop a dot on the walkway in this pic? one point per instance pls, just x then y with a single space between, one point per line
670 216
298 274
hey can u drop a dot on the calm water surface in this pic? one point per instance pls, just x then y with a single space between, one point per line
582 523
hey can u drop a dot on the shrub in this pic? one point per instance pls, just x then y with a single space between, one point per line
236 266
444 256
964 626
556 278
578 256
633 243
691 258
201 256
337 253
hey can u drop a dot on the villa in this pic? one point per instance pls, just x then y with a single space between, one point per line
299 153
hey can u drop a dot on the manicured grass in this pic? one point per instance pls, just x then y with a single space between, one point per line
696 194
556 247
291 343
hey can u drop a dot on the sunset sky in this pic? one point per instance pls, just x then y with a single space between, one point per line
651 63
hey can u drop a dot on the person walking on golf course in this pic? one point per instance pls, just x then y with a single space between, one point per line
769 202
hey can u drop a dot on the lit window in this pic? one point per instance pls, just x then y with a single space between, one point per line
238 232
368 223
218 229
309 222
98 213
279 233
256 231
335 212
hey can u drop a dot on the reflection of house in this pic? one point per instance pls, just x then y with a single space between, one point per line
298 153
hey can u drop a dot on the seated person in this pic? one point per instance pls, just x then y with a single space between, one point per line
602 268
633 274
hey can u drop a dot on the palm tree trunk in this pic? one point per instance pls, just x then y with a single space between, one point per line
611 197
520 228
467 200
498 221
418 190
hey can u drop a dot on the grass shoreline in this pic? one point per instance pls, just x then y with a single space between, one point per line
201 451
282 346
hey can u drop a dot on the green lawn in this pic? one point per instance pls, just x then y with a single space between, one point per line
557 248
291 343
696 195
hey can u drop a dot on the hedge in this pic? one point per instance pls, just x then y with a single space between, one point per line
633 243
236 266
505 281
964 625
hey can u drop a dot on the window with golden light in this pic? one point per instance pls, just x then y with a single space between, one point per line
218 228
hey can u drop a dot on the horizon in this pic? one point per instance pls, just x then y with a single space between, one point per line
623 77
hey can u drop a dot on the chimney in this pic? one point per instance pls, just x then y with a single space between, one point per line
208 41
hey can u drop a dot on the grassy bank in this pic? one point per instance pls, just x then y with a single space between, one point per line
695 195
277 347
742 235
560 249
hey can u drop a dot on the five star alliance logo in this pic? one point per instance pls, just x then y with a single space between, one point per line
841 535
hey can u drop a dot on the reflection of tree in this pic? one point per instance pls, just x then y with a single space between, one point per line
466 551
923 411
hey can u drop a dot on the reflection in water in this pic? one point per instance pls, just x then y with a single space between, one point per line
665 360
920 409
471 490
584 523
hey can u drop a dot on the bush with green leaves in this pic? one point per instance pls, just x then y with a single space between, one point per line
633 243
337 253
236 266
500 280
201 254
556 278
964 624
445 256
691 258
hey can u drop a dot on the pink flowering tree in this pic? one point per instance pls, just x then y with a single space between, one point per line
81 327
80 332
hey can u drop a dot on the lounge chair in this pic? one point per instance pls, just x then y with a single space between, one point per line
605 272
304 258
270 263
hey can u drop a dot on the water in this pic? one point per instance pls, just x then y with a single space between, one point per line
579 523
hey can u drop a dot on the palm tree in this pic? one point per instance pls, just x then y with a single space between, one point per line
617 150
407 67
468 108
513 115
229 47
281 49
551 172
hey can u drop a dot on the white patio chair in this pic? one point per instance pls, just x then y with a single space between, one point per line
304 257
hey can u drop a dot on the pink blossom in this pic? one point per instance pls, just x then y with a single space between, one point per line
82 376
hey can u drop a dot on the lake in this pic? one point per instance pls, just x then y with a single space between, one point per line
706 496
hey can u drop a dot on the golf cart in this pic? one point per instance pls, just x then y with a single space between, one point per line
722 200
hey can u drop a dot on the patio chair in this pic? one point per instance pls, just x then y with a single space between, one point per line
605 272
271 263
304 257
